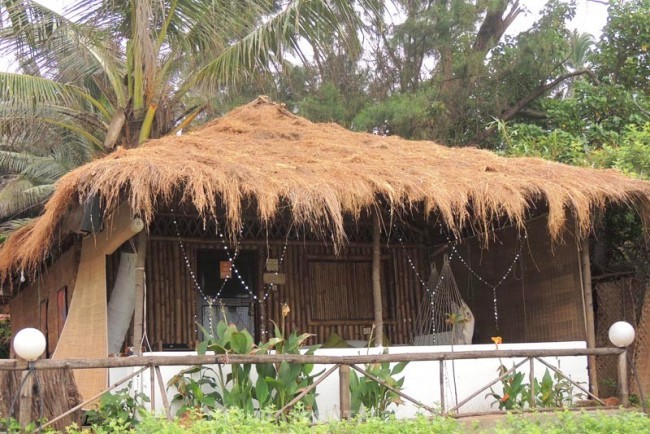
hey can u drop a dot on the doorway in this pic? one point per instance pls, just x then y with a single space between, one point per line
228 281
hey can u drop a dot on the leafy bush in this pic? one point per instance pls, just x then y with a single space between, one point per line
236 420
552 391
5 339
203 389
119 409
373 397
568 422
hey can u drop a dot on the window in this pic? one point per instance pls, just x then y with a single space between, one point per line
342 290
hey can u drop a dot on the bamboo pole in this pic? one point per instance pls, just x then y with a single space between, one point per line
25 402
442 386
589 308
531 379
163 393
138 314
152 387
344 392
119 362
622 379
376 280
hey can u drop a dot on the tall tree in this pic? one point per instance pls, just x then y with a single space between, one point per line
116 73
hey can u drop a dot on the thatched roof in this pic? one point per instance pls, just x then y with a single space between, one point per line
263 154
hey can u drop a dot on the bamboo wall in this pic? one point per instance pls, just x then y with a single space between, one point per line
541 299
41 293
172 297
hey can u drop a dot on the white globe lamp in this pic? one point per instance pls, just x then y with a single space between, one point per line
621 334
29 344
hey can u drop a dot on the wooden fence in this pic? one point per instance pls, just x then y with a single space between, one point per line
342 363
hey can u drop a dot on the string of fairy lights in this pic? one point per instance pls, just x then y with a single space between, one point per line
269 287
456 254
211 300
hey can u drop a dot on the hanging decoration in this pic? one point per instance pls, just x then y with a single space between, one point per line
503 278
435 284
212 300
444 317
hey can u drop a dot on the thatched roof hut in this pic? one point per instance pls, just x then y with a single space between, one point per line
264 156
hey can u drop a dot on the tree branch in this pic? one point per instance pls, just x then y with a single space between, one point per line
533 114
494 26
538 91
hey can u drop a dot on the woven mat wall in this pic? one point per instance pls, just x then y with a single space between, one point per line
619 300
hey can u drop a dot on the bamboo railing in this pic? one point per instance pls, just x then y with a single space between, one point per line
341 363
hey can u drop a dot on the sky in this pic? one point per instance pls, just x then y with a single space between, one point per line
590 17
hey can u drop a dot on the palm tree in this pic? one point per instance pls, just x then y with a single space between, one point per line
580 44
116 73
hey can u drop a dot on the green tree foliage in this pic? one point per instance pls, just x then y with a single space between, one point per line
116 73
444 70
5 339
602 121
624 56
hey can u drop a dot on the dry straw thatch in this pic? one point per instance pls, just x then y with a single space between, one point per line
263 154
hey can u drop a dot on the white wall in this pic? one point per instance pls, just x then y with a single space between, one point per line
422 378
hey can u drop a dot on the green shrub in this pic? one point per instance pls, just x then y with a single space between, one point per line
203 389
119 409
237 421
568 422
5 339
376 399
553 391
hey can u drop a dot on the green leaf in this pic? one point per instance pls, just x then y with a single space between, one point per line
221 328
239 343
261 391
398 368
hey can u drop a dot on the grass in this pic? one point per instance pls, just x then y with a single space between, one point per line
235 421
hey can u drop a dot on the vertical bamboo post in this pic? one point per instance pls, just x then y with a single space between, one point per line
441 365
25 410
152 389
622 379
531 380
344 392
376 279
589 307
138 315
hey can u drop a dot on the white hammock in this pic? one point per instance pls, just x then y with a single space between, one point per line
443 317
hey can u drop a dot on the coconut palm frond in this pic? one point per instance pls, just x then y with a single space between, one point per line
26 90
63 49
581 44
48 127
302 20
9 227
15 162
21 195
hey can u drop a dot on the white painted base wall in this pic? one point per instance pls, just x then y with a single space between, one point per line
422 378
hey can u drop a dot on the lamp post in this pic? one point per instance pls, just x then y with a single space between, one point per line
29 344
621 334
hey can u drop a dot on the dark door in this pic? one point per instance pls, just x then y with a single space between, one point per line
228 281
